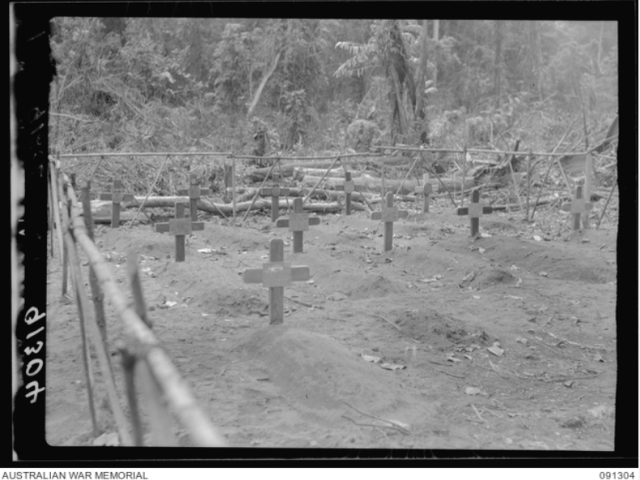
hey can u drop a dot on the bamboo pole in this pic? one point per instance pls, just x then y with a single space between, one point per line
260 188
150 190
475 150
86 362
103 358
96 293
231 155
180 399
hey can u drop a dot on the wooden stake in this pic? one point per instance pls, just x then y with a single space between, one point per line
136 287
160 420
464 175
425 190
515 184
233 188
588 172
129 361
528 183
578 207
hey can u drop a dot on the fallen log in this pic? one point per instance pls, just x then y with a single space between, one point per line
374 184
336 172
248 194
227 209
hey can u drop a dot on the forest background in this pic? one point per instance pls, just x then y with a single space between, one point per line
295 86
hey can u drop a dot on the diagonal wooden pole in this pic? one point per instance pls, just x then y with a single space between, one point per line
407 176
551 163
321 179
150 190
253 202
604 209
95 169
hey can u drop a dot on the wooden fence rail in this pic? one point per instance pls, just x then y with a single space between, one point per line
162 374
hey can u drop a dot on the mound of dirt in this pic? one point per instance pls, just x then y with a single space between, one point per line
489 278
559 262
233 303
439 331
499 225
319 373
374 288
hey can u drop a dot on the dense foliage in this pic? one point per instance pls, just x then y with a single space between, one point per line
133 84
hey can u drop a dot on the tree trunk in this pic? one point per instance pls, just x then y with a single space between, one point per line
497 60
436 39
396 100
420 107
262 84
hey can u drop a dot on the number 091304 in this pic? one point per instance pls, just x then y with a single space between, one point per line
617 475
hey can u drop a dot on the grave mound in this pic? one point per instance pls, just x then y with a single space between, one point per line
320 374
492 277
373 288
439 330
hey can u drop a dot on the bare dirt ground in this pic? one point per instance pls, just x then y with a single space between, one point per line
430 309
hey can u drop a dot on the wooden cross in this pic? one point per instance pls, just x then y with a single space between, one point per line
349 187
194 191
276 274
388 215
117 196
298 222
425 190
180 226
577 207
475 210
274 191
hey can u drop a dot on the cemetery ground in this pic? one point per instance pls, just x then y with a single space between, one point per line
507 342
